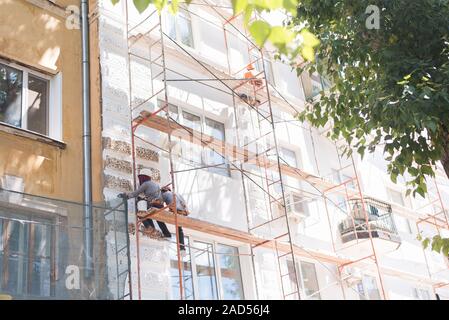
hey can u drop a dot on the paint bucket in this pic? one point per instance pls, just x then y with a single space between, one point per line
142 205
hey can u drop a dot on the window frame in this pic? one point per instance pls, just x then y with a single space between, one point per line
29 253
267 65
418 293
217 268
181 109
292 150
390 191
174 18
301 284
24 105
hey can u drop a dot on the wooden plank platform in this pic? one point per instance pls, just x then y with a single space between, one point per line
232 152
244 237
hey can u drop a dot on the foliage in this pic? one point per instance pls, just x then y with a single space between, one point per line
437 243
288 39
390 87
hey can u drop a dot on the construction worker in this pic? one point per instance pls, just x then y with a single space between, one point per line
181 208
153 196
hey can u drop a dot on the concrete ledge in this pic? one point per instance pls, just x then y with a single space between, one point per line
9 129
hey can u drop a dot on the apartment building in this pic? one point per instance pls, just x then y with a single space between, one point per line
41 163
274 213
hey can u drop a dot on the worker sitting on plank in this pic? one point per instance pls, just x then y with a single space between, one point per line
153 196
181 208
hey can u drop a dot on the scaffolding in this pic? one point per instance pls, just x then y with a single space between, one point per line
257 160
434 215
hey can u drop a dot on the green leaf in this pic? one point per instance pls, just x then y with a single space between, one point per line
308 53
141 5
260 30
281 37
426 243
239 6
114 2
159 4
268 4
309 39
291 6
174 7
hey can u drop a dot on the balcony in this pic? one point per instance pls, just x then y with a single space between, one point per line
42 249
355 229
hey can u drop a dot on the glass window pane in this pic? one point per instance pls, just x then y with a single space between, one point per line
172 109
288 156
231 278
37 112
185 28
396 197
42 240
170 25
192 121
205 271
187 281
10 95
40 277
269 71
216 130
310 280
27 253
360 290
16 246
371 288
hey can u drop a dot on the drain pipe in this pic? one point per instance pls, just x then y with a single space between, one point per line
87 160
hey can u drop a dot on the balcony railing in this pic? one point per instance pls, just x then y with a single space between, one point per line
42 252
380 220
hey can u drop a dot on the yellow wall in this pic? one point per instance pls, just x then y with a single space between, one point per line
38 38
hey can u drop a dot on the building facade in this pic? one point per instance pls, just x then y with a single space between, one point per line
41 164
276 211
352 231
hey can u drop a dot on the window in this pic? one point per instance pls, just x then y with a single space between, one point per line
195 153
396 197
349 181
187 278
288 156
370 286
179 27
205 271
360 290
267 66
24 99
26 259
367 288
216 161
421 294
403 224
231 277
336 176
210 271
308 279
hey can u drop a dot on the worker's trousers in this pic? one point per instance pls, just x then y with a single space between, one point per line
163 227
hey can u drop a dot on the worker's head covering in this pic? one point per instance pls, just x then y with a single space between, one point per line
144 175
165 189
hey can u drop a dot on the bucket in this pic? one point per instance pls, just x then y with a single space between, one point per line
142 205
